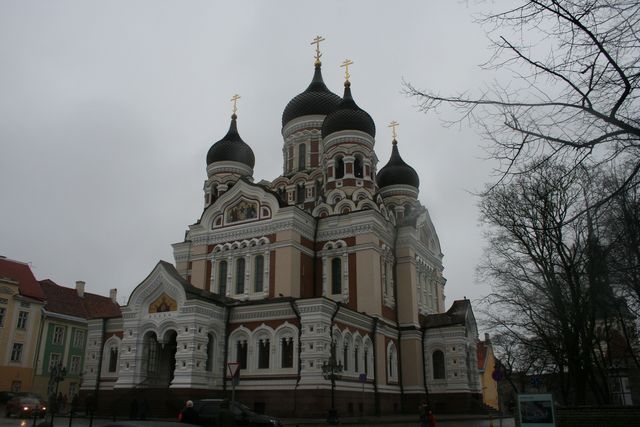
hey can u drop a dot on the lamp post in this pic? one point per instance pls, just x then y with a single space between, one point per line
56 374
331 370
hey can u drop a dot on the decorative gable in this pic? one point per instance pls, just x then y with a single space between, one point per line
163 303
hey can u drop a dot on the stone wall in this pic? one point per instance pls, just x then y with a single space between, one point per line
598 416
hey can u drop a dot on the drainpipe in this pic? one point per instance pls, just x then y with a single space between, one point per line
314 281
395 292
226 350
376 396
295 390
424 368
99 372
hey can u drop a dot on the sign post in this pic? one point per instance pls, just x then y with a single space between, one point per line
536 410
233 373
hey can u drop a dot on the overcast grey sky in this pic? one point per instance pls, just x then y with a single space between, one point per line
108 108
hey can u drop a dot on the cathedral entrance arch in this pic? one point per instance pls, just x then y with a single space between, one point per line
160 358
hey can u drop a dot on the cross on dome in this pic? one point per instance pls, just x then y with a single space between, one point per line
317 41
346 64
393 126
234 99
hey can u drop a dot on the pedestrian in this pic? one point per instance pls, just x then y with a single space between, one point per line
422 411
431 419
189 415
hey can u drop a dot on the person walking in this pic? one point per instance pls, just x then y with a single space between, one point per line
189 415
431 419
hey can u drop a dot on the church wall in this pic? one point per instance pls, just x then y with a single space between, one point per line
353 283
406 286
368 273
411 360
287 280
306 276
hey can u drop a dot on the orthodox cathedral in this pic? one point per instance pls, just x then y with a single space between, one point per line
322 289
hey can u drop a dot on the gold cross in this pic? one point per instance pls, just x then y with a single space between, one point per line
317 41
393 126
346 64
234 99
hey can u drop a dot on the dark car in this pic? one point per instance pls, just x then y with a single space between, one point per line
208 410
22 406
5 396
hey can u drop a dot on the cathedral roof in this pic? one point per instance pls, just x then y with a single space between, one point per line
231 148
316 99
456 315
397 172
191 291
348 116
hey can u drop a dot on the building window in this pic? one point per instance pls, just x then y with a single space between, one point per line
438 365
22 320
54 360
3 312
366 362
241 354
345 357
339 167
78 339
355 360
113 359
240 276
16 352
222 278
258 274
263 354
300 193
58 335
74 368
287 352
336 276
357 166
209 364
302 157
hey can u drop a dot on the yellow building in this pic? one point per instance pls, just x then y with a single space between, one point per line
486 366
21 302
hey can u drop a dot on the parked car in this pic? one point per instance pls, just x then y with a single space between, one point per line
208 410
5 396
22 406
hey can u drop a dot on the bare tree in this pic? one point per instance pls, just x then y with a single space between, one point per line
547 279
574 90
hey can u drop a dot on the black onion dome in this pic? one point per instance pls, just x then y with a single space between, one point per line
348 116
231 148
397 172
316 99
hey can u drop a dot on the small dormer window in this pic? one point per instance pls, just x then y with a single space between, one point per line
339 167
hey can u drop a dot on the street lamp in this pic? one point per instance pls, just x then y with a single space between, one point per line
56 374
331 370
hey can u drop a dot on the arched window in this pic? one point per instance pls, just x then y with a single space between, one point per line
438 365
318 189
113 359
357 166
258 274
300 193
222 278
241 353
366 360
356 365
302 157
263 353
287 352
240 276
345 356
336 276
209 364
392 357
339 167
